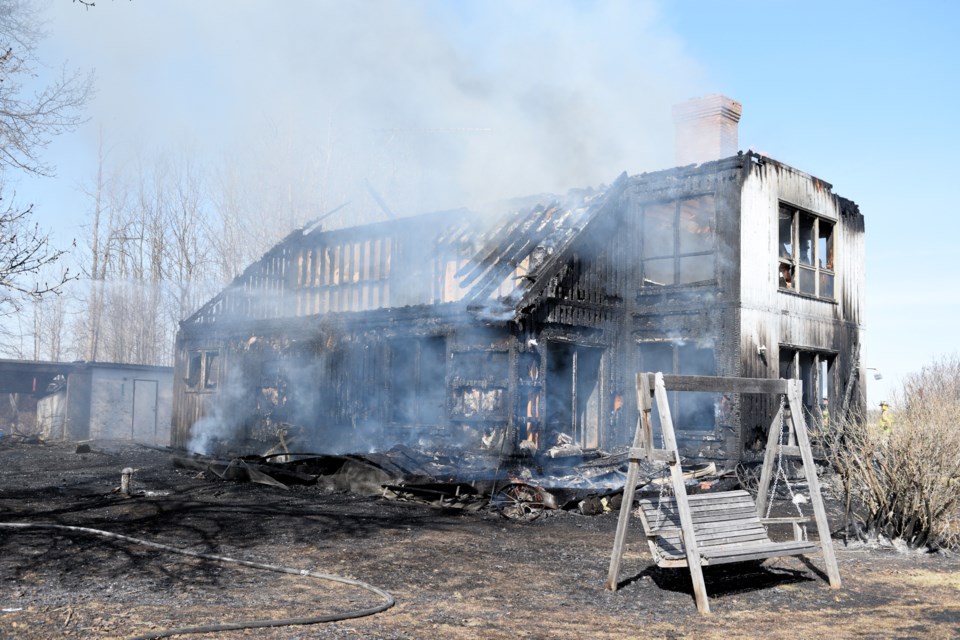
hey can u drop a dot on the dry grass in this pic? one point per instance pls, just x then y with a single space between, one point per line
454 575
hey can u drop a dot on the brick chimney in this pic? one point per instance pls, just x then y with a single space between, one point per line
705 129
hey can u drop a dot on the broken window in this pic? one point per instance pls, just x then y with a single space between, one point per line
815 370
210 369
203 370
679 242
528 396
478 403
479 385
272 395
691 411
806 260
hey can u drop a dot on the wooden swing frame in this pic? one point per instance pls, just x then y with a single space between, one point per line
725 526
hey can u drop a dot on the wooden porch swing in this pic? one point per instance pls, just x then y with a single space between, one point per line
722 527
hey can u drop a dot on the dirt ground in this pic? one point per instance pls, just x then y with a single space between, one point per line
453 574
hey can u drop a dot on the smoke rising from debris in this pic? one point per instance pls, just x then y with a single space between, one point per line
224 420
296 108
434 104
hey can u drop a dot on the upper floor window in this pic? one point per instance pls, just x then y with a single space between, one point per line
806 260
679 242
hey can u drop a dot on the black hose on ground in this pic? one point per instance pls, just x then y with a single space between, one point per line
230 626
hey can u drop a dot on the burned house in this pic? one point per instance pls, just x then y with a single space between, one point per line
443 328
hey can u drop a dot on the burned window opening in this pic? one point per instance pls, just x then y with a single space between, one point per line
203 370
692 411
530 384
479 386
271 400
679 242
573 393
418 381
806 253
816 370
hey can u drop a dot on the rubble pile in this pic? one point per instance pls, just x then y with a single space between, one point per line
519 487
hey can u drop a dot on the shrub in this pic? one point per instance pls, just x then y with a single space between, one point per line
905 483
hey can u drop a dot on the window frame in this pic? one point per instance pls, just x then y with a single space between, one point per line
676 253
792 269
203 371
681 364
820 370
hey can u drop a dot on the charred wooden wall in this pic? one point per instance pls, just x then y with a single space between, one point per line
701 314
776 319
349 381
331 347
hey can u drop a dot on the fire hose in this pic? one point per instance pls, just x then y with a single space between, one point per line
231 626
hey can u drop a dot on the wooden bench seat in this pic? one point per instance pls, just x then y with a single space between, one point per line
726 525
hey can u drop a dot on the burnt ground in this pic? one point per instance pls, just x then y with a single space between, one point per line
454 574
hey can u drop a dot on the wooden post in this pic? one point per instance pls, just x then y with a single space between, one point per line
813 483
633 472
680 494
644 407
841 417
769 455
125 476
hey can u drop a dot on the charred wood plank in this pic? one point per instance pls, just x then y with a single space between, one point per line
507 234
562 254
512 255
716 384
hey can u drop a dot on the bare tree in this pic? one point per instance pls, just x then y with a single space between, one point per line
50 329
163 238
256 203
28 120
189 266
90 325
147 257
25 251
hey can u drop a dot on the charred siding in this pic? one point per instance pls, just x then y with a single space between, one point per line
776 320
484 330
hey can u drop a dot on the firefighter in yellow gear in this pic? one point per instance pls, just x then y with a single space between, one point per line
886 420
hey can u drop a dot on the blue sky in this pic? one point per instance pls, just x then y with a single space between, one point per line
860 94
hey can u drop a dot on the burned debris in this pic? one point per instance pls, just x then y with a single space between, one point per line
452 478
522 486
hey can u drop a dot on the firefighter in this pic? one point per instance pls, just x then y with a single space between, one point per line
886 420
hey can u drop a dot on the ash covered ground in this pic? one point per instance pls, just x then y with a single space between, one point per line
454 573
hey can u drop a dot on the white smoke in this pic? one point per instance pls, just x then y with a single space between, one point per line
434 104
225 416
